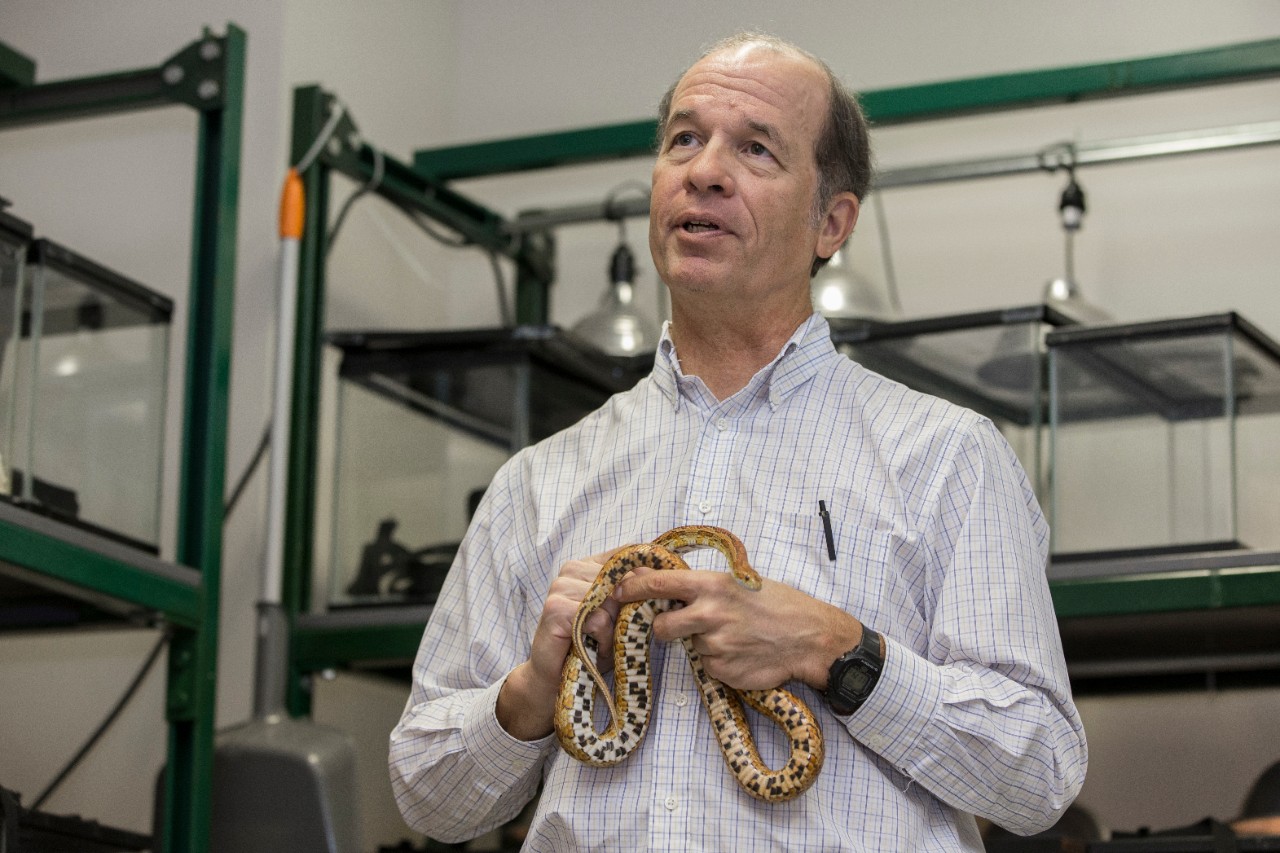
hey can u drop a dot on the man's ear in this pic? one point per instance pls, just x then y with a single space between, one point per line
837 225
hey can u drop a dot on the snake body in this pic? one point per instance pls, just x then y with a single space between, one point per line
630 708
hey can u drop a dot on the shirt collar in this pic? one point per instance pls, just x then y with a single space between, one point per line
796 363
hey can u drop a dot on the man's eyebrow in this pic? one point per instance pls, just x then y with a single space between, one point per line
682 115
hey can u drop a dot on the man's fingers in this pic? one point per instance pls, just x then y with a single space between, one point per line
645 583
683 621
600 626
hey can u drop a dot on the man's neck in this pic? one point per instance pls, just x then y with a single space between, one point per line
726 355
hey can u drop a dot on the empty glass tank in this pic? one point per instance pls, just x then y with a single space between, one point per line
1165 438
90 359
15 235
989 361
424 420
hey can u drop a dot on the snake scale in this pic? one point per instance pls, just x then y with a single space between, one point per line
630 709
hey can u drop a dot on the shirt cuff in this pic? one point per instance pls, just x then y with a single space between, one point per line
906 699
495 750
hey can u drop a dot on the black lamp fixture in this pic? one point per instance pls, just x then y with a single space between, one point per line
1063 293
616 326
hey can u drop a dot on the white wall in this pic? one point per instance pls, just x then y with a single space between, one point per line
1193 235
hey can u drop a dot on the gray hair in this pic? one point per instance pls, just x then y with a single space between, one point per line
843 148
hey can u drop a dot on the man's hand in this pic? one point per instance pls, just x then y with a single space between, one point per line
750 640
527 701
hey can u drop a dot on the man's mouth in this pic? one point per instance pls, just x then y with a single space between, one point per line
697 226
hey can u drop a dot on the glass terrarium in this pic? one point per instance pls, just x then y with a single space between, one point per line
15 235
85 416
424 420
1165 439
990 361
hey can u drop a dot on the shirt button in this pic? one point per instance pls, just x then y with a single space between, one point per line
722 424
681 700
670 803
705 507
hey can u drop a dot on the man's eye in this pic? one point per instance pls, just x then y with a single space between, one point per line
682 138
755 149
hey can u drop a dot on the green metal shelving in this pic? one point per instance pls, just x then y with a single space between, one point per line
208 76
901 105
1146 592
321 642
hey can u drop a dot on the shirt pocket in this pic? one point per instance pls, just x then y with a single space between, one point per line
792 547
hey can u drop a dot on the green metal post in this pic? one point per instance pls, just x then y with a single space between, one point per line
194 654
535 273
16 69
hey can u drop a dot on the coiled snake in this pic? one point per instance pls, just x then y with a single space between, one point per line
629 710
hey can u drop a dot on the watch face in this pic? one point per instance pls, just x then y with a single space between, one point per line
855 680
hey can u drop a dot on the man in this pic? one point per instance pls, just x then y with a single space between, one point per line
920 631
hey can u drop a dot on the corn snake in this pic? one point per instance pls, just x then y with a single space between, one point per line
629 710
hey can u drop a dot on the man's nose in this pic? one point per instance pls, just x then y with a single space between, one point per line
709 170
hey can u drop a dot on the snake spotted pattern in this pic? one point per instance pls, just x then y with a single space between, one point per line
629 710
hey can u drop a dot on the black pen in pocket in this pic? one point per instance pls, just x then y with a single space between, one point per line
826 527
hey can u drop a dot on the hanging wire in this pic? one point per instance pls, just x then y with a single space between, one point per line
1059 155
426 226
259 452
1069 255
886 253
429 228
375 181
505 311
611 201
317 144
612 214
124 700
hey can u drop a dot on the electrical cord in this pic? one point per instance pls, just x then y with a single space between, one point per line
375 181
1059 155
611 199
259 454
505 311
124 700
439 236
886 254
317 144
417 218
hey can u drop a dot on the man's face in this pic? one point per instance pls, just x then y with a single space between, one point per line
735 179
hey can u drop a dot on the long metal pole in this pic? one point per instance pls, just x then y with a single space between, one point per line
1047 159
1086 154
